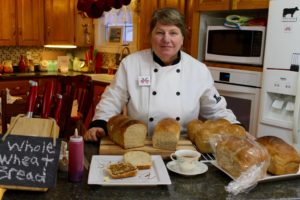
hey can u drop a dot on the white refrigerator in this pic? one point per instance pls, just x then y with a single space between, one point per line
280 97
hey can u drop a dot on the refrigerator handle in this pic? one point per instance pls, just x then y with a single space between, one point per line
296 131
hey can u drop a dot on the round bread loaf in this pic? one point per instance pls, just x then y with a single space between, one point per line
284 157
236 155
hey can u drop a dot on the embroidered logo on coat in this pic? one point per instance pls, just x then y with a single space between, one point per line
217 98
144 80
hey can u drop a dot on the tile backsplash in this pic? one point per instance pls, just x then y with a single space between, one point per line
38 53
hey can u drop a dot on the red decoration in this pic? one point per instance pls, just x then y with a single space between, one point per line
95 8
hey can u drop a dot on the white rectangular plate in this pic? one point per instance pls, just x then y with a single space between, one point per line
267 178
156 175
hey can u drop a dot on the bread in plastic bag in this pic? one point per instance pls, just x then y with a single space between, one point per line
242 158
212 133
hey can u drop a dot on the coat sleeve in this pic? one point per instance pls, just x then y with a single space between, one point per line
114 98
214 106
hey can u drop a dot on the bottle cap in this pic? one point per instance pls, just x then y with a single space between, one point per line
76 137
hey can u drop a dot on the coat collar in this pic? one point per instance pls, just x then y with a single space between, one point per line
161 63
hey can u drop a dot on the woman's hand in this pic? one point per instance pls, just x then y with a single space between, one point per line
93 134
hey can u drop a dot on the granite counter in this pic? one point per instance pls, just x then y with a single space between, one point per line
209 185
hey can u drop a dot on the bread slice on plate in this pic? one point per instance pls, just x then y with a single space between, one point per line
122 170
140 159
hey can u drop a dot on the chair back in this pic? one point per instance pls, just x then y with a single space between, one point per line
73 88
10 110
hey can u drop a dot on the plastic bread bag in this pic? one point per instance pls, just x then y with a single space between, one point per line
243 159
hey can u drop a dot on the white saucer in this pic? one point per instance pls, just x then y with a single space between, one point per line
200 168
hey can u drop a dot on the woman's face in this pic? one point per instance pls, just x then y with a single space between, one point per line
166 41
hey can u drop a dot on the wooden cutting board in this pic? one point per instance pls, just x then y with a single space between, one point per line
107 147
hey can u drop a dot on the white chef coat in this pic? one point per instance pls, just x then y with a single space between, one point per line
181 91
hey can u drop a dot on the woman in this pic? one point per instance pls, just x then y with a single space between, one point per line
161 82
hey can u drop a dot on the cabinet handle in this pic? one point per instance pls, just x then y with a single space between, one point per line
17 88
20 31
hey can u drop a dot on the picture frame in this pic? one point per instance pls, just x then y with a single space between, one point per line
115 34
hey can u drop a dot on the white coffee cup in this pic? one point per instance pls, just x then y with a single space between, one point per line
186 160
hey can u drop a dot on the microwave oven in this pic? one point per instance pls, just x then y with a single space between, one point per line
244 45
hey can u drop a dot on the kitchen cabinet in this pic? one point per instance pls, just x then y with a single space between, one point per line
21 22
64 25
146 9
84 29
216 5
60 22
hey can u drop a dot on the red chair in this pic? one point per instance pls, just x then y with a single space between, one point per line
78 88
10 110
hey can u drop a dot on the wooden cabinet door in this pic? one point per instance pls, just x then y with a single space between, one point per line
179 4
250 4
207 5
84 29
146 9
59 22
30 22
7 22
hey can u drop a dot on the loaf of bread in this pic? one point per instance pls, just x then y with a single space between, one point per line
206 139
206 136
140 159
236 155
166 134
284 157
193 127
121 170
127 132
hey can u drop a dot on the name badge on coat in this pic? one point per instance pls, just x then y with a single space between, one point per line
144 80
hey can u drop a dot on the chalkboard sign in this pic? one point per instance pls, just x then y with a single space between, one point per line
29 161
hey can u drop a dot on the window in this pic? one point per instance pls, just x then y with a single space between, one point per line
115 28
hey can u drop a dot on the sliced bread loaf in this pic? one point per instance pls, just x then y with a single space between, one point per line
127 132
140 159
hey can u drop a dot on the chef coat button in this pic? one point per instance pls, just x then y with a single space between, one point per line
177 118
177 93
155 70
154 93
151 119
178 70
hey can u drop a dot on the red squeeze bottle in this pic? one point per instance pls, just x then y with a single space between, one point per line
76 147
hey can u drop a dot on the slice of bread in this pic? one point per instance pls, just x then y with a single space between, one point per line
122 170
140 159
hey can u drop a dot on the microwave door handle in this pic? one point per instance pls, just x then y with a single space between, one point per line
296 131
